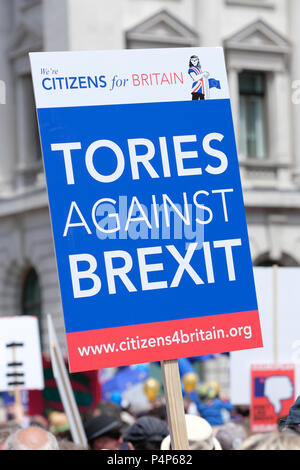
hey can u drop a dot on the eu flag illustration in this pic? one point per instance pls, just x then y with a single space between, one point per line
213 83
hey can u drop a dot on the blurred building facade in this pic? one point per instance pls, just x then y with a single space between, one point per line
261 39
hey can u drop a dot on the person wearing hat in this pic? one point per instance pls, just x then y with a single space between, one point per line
146 433
103 432
199 433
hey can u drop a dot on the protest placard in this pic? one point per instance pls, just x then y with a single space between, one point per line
20 354
20 359
279 305
146 205
272 395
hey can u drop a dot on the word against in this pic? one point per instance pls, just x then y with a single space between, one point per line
145 267
125 216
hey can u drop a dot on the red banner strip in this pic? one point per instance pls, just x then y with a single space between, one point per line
135 344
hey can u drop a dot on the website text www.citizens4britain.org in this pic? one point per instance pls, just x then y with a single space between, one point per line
179 336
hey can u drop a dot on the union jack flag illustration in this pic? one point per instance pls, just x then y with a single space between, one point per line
198 84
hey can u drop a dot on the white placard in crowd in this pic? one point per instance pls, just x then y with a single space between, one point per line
20 354
279 307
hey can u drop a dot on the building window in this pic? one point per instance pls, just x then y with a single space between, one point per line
252 127
30 120
29 154
31 298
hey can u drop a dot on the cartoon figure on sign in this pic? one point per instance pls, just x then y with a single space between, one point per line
199 87
201 83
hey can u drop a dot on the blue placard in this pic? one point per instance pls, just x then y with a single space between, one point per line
149 227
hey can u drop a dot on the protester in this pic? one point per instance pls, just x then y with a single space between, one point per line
109 407
241 415
252 442
293 419
39 421
209 404
103 432
58 421
146 433
65 444
288 440
161 412
59 425
231 436
31 438
277 440
200 435
6 430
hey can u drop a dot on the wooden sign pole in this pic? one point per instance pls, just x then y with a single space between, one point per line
68 396
64 387
174 403
18 408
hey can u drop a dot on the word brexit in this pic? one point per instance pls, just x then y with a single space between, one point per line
113 270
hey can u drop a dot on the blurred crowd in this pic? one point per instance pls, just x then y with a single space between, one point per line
212 424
